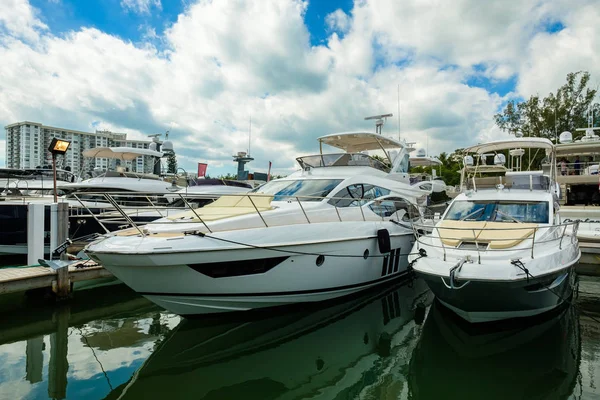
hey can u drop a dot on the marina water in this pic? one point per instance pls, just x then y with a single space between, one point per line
393 343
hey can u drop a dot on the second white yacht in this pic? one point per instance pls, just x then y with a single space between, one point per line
338 226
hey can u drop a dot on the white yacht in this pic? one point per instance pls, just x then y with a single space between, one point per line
338 226
500 250
578 164
33 181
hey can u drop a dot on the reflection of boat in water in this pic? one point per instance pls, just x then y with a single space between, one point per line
534 360
296 355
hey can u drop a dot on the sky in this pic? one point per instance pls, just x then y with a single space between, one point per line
202 69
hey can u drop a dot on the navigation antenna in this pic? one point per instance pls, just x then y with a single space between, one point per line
380 120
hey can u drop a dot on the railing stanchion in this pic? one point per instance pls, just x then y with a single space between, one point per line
258 212
362 212
153 206
562 236
194 211
338 213
533 242
302 208
123 213
91 213
477 245
441 241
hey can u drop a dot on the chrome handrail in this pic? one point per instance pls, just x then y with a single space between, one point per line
429 229
121 206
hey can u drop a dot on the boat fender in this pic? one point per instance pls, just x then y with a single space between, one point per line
383 240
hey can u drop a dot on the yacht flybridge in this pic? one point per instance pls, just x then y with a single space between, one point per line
338 226
500 250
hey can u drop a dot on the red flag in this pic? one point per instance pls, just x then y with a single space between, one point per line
202 169
269 173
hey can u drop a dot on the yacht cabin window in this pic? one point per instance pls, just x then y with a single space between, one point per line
391 205
357 195
306 189
499 211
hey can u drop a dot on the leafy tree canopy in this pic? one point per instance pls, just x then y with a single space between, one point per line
565 110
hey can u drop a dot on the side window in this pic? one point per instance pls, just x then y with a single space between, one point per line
357 195
395 206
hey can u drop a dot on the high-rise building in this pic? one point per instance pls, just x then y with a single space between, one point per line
27 144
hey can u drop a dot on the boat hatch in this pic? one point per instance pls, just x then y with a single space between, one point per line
473 246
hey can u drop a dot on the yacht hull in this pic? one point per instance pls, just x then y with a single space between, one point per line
486 301
217 277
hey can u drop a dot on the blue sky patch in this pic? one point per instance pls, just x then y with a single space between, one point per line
315 18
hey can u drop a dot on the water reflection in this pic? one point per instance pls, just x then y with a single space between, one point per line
114 344
334 352
535 359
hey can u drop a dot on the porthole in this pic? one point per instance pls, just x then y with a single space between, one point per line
320 260
366 254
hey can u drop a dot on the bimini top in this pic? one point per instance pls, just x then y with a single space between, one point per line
355 142
120 153
424 161
522 143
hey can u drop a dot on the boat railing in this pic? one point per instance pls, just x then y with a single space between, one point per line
115 210
578 168
501 239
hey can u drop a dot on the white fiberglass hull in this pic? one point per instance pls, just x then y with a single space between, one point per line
200 275
588 218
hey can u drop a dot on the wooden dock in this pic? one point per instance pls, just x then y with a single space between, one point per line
21 279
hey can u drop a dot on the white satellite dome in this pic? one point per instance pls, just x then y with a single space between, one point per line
167 146
421 152
152 146
499 159
566 137
468 160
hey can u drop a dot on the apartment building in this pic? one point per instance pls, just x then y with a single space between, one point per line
27 147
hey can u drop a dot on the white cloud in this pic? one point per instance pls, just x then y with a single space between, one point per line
338 21
141 6
19 19
552 56
224 61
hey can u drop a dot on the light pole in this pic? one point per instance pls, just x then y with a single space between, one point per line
57 146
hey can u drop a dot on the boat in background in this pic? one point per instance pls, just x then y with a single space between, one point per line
500 250
32 181
339 226
577 175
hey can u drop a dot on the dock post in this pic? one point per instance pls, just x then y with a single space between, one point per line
59 364
34 359
63 283
35 233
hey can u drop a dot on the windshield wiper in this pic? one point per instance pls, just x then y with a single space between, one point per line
472 214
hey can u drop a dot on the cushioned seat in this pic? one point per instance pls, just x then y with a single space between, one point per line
228 206
499 235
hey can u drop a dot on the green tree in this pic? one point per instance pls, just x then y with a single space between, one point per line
171 163
565 110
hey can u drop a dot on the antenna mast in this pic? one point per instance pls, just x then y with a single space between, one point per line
398 111
249 135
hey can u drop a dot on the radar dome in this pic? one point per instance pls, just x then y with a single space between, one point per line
421 152
566 137
468 160
152 146
167 146
499 159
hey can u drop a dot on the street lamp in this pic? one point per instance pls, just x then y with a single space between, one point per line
57 146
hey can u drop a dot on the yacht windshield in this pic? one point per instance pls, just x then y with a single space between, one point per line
499 211
316 189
